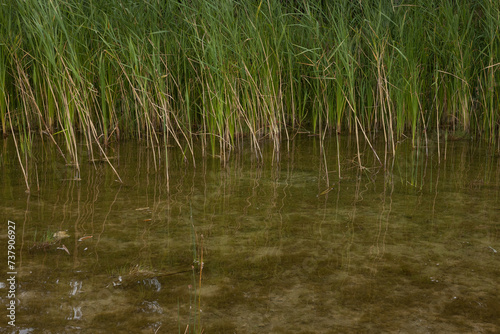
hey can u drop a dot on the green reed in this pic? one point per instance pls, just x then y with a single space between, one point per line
489 79
188 72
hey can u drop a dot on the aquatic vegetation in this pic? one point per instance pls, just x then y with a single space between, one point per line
50 241
209 74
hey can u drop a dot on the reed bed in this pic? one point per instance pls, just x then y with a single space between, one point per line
201 73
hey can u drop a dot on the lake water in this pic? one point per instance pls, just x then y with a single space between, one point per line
312 244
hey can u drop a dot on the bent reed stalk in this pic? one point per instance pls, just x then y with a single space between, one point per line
181 71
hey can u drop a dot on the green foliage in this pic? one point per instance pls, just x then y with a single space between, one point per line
165 71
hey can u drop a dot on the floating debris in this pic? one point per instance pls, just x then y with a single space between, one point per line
148 277
324 192
60 235
63 247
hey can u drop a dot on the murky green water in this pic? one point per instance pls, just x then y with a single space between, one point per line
412 248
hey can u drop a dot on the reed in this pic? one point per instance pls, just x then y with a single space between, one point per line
201 73
488 85
3 87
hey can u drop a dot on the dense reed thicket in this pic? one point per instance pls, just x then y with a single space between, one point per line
193 71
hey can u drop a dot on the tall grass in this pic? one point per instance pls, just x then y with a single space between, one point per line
198 72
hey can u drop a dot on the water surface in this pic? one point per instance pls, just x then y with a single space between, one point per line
312 244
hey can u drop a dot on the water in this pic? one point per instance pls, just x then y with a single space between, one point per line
411 248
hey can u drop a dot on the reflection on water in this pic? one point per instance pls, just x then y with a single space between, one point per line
257 247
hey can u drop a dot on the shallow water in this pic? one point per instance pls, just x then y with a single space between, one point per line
410 248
